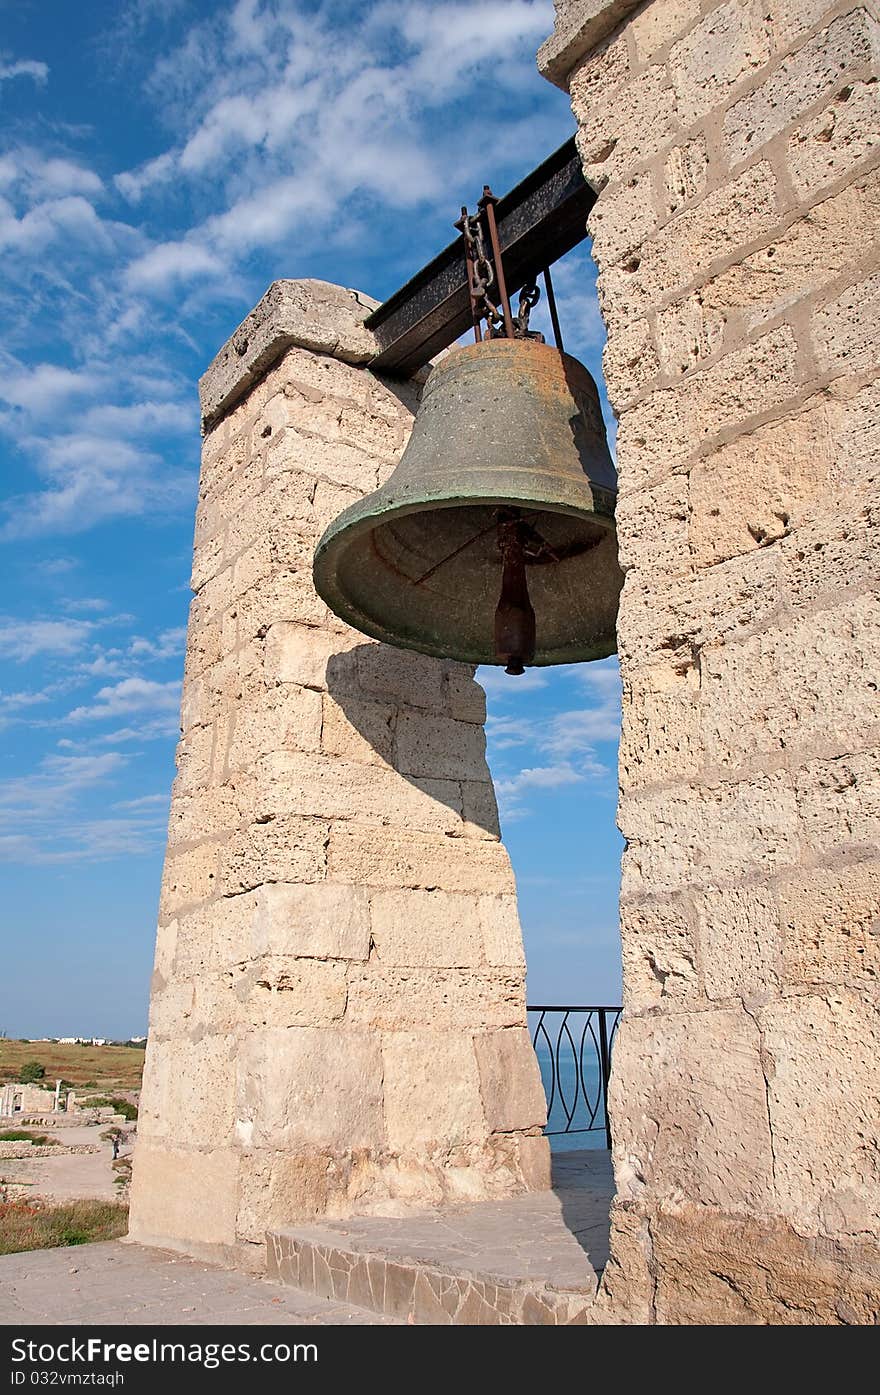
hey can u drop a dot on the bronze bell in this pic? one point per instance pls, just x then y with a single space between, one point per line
493 540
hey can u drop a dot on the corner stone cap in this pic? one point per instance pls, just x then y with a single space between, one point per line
581 25
311 314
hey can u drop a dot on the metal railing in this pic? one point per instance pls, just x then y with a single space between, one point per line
573 1046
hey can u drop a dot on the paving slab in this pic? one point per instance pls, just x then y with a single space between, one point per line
531 1259
117 1282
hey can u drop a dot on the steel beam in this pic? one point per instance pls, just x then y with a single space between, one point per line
538 222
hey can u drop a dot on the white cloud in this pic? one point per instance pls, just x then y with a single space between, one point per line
23 639
146 801
24 67
172 262
129 695
167 645
45 387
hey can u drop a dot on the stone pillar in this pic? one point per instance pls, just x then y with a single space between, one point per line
337 1021
57 1103
735 153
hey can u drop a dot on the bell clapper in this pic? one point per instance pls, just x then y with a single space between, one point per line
514 616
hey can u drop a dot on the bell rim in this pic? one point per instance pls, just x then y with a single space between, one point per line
340 604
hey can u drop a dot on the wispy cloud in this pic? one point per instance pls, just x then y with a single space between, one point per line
24 67
23 639
129 695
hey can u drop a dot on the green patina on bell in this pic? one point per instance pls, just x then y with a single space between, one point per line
493 540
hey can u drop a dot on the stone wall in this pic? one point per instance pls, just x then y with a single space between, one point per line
337 1021
736 147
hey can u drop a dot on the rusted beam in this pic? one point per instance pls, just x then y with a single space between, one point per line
538 222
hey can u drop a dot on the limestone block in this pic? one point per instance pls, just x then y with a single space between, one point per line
629 362
293 782
181 1195
211 937
659 953
285 501
336 461
655 26
465 698
688 332
685 169
791 19
723 50
857 428
365 856
652 529
839 802
717 1268
276 992
743 383
296 654
502 935
510 1079
284 718
427 928
659 417
188 877
720 226
847 48
323 920
829 554
439 746
830 921
404 999
310 1087
760 486
191 1088
401 675
194 817
479 809
738 936
314 314
731 600
603 70
784 690
622 217
285 596
837 140
826 240
581 26
846 332
208 559
416 1114
329 501
288 849
689 1110
615 139
359 730
660 739
687 836
822 1091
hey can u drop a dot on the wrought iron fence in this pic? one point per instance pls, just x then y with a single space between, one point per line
573 1046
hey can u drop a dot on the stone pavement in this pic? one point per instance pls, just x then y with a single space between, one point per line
115 1282
533 1259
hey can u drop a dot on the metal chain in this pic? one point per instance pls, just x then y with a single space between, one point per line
528 299
481 273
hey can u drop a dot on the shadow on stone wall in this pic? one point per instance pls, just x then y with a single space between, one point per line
400 704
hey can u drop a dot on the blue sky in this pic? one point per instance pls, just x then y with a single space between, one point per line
161 162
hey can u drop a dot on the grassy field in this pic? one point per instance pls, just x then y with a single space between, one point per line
103 1067
28 1225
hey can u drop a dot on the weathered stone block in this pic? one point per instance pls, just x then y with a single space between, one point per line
427 928
846 332
183 1198
188 877
830 924
321 921
513 1096
388 859
721 51
839 802
417 1115
847 48
289 849
738 937
440 747
404 999
690 1119
685 171
837 140
659 953
655 26
310 1087
824 1102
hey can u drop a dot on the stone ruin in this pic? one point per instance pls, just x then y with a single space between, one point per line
338 1019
